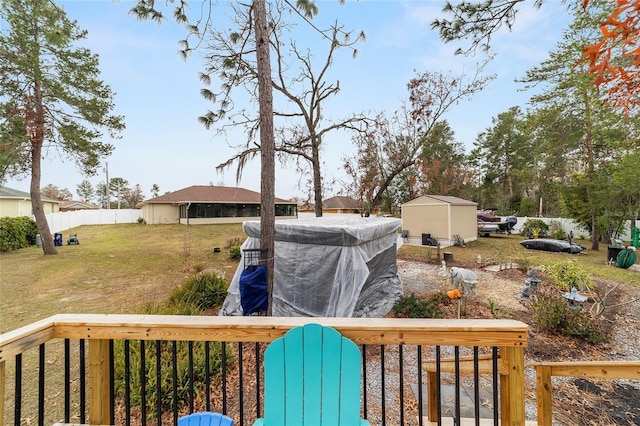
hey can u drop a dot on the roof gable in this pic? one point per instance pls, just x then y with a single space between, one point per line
340 202
440 199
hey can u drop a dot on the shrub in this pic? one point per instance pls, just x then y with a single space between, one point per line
234 252
165 351
17 233
412 307
537 226
552 314
555 228
568 275
206 289
203 291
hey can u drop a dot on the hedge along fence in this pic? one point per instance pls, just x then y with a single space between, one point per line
17 232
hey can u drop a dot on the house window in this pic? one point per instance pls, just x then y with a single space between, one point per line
210 210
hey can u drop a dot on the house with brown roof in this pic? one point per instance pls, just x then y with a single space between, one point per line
72 205
339 204
205 204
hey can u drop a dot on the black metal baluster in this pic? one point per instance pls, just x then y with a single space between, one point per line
438 386
400 361
257 380
364 379
159 382
384 399
224 377
476 381
17 408
240 382
495 386
67 380
174 363
143 383
83 383
456 357
207 376
127 382
420 395
41 386
191 390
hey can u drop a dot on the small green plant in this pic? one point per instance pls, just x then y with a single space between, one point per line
552 314
537 227
141 221
234 252
412 307
494 309
568 275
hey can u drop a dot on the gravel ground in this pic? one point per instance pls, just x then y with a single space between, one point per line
422 279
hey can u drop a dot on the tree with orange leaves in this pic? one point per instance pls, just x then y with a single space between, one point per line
615 59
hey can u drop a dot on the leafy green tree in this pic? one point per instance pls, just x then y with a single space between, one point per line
119 187
155 190
504 153
51 96
598 130
102 195
85 191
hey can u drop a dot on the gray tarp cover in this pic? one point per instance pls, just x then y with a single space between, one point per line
331 267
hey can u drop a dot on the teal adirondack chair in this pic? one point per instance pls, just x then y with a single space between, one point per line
205 418
312 378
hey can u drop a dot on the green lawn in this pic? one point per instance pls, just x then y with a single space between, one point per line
114 269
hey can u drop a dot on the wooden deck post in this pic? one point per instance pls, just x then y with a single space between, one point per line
543 394
99 362
2 384
512 411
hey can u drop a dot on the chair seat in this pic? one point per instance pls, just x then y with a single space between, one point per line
205 418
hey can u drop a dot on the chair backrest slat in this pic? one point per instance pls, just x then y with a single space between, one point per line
312 378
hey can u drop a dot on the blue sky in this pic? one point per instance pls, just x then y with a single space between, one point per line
158 92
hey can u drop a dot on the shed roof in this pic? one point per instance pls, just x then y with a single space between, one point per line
210 194
440 199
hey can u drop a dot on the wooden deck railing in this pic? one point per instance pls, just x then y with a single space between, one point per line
588 369
508 336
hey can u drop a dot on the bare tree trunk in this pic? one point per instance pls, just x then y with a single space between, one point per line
267 144
317 178
37 138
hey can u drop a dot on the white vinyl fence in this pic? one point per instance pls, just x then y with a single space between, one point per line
62 221
570 225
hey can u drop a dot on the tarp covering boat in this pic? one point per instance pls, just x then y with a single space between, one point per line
333 267
548 244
